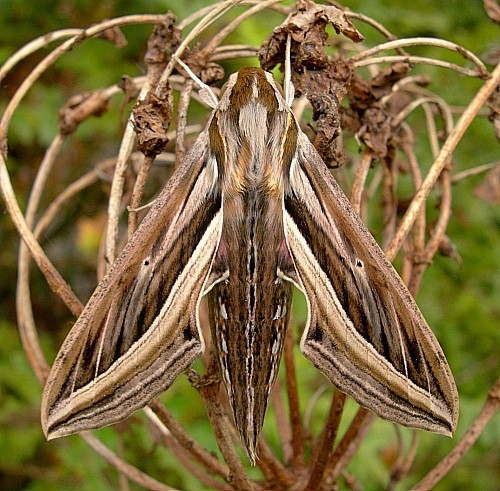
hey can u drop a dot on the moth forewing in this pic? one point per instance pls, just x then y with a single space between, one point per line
365 332
140 329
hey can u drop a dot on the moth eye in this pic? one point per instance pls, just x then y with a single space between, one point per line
359 263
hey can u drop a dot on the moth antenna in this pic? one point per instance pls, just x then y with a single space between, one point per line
289 88
206 93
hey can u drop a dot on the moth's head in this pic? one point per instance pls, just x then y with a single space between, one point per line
252 84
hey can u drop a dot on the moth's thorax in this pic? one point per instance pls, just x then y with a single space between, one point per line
248 134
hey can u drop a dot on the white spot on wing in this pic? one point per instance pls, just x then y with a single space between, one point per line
223 311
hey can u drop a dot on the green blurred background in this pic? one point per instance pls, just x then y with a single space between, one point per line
460 301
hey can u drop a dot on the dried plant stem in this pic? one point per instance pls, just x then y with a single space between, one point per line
184 100
59 51
460 176
284 429
183 449
116 194
137 193
419 227
389 199
223 33
419 60
349 443
209 391
126 469
359 182
404 462
213 13
54 279
491 406
197 452
441 161
324 447
422 41
27 330
275 471
293 402
33 46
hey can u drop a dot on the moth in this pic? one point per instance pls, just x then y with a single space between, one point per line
252 212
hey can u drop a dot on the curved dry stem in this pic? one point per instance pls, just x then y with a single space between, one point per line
214 13
184 100
389 199
218 421
54 279
359 182
272 468
404 462
404 113
441 161
134 474
324 447
69 192
491 406
422 41
479 169
349 444
418 60
439 102
313 400
298 458
34 46
50 59
26 322
137 193
116 194
221 35
201 12
187 450
197 452
420 222
376 25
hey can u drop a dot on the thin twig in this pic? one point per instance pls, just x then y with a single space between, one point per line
184 100
404 462
422 41
441 161
284 430
359 182
479 169
491 406
276 471
182 451
419 60
223 33
349 443
51 58
138 192
123 467
209 391
197 452
293 402
323 450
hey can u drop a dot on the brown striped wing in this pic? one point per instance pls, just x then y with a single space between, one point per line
140 329
365 332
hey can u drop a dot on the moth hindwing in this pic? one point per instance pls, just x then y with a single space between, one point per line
252 211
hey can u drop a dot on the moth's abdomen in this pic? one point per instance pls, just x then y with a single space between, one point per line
249 311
